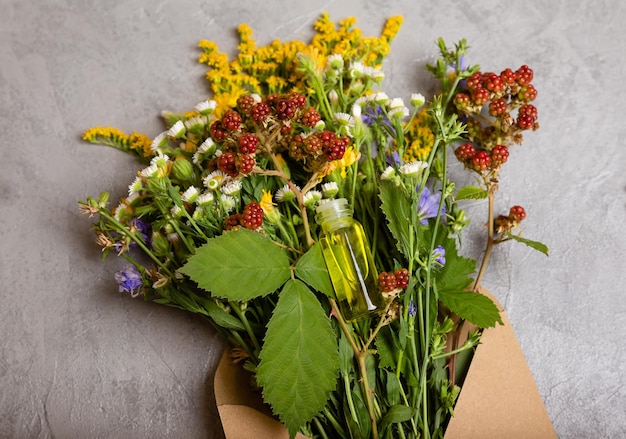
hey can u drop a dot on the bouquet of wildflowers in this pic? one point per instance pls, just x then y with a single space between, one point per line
312 220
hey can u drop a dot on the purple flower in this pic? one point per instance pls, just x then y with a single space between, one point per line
439 256
428 205
412 308
372 115
137 225
394 159
129 280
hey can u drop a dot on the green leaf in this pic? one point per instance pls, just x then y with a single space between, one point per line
456 273
533 244
473 307
311 268
397 209
471 193
299 358
396 413
239 265
222 318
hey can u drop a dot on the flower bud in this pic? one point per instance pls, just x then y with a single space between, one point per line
182 169
160 244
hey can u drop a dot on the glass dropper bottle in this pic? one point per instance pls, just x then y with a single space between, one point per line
349 260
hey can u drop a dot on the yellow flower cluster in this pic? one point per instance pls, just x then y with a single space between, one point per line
273 68
140 143
419 138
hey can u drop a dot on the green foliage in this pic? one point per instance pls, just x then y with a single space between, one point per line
471 193
299 359
398 209
456 274
473 307
239 265
532 244
311 268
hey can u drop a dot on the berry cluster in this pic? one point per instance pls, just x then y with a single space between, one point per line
251 218
482 160
504 223
318 148
502 95
238 146
399 279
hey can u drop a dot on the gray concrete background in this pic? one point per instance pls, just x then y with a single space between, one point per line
77 359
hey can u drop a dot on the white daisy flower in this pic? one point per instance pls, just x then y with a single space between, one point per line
160 160
177 130
206 198
190 195
396 103
399 112
330 189
413 169
132 197
380 98
159 141
344 119
285 194
196 122
149 171
311 198
356 69
176 211
335 61
333 97
256 98
136 186
232 187
388 173
207 146
206 107
214 180
356 111
228 202
417 100
377 75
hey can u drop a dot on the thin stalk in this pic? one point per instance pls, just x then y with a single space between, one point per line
490 238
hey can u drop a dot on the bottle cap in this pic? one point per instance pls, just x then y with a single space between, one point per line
333 209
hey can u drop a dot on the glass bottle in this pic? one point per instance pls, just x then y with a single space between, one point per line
349 260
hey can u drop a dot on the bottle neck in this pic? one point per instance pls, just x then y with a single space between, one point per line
334 214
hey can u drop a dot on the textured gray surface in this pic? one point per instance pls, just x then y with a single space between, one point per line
79 360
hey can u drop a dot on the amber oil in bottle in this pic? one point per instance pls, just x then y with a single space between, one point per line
349 260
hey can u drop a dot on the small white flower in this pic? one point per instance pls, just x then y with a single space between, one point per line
206 107
256 98
176 211
320 125
285 194
380 98
396 103
136 186
207 146
149 171
232 187
356 69
158 142
375 74
311 198
356 111
206 198
335 61
120 211
197 158
132 197
333 97
177 130
330 189
388 173
228 202
214 180
398 112
363 100
160 160
413 169
196 122
417 100
344 119
190 195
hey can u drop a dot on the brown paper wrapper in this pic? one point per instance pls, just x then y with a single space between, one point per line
499 398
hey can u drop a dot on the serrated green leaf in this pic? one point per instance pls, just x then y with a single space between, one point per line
473 307
386 347
239 265
311 268
299 360
530 243
397 209
471 193
396 413
222 318
457 271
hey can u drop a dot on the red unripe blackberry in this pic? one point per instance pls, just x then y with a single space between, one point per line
260 112
231 120
402 278
286 109
245 163
508 76
245 104
312 144
386 281
465 152
528 109
310 117
497 107
474 81
227 163
462 101
525 122
527 93
218 132
517 213
480 96
492 82
298 99
248 143
326 137
252 216
481 161
285 129
335 151
524 75
499 155
233 221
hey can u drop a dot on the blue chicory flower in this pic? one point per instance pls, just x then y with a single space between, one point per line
129 280
428 205
142 227
439 256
